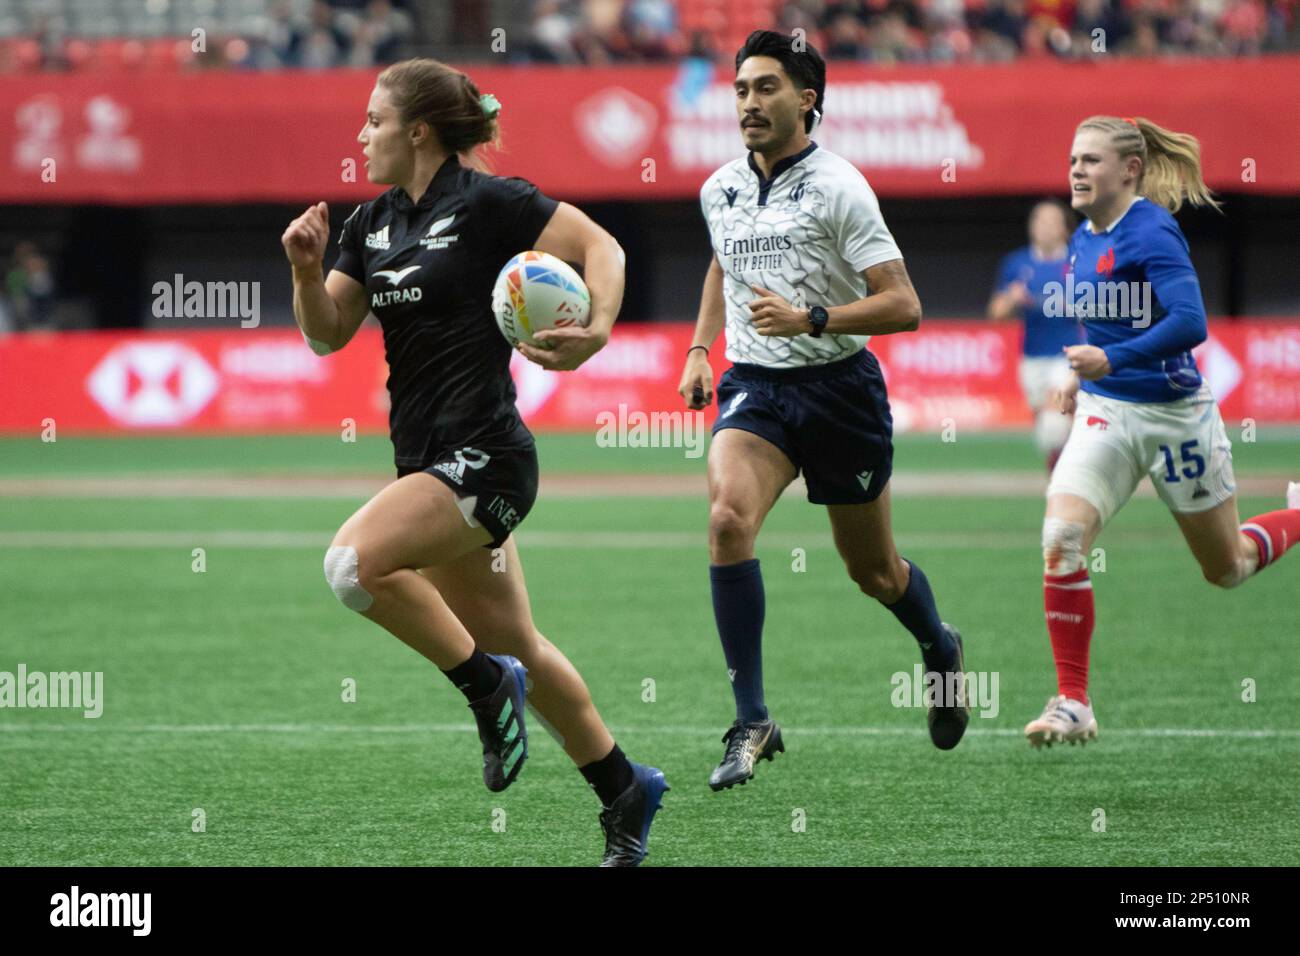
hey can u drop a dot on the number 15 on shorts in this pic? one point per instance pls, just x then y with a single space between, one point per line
1193 464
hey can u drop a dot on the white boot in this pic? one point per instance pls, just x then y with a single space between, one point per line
1063 719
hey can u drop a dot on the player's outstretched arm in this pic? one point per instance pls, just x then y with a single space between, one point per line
1004 304
891 304
328 311
571 235
697 377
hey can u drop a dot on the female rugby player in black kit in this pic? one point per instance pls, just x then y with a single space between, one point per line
418 558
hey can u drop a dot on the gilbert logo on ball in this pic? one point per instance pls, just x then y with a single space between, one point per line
536 291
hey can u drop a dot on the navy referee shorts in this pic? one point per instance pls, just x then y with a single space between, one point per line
832 421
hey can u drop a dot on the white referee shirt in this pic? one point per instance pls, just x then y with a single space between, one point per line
807 234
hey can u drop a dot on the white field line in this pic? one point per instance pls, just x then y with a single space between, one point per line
572 540
974 484
235 485
657 730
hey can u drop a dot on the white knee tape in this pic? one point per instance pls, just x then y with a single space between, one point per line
1063 545
341 573
320 348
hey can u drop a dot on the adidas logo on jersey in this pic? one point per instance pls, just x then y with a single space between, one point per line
378 240
465 457
453 470
433 238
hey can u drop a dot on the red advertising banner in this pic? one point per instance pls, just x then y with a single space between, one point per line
251 381
631 132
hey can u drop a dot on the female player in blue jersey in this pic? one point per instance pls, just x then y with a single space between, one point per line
415 559
1139 404
1022 275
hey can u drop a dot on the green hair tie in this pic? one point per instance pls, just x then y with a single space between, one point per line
491 105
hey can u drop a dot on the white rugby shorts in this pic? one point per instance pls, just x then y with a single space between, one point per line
1039 374
1182 445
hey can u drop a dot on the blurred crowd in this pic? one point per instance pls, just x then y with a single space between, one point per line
27 297
889 31
276 34
337 34
313 34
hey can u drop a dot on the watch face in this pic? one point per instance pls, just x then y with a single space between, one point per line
817 317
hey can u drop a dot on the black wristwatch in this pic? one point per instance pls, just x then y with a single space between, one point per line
818 317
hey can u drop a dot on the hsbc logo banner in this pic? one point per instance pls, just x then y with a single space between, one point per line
269 381
152 384
193 381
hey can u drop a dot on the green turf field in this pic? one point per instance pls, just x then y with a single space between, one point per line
223 688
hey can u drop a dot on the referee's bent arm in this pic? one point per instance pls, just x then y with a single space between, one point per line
713 308
891 304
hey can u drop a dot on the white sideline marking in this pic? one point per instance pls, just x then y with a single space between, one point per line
657 730
976 484
605 540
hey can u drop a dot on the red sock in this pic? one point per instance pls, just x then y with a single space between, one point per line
1068 604
1273 533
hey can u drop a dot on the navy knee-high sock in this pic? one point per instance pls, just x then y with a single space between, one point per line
916 611
738 608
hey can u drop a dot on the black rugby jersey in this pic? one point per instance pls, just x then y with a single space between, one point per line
428 269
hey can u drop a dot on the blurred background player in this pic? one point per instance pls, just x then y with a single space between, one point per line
1019 294
1140 406
803 393
431 558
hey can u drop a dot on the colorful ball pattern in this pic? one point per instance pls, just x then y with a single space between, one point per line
536 291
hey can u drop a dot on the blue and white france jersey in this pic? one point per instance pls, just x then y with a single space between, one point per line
807 234
1044 336
1136 291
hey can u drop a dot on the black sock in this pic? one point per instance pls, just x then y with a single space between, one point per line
609 776
916 611
739 606
477 677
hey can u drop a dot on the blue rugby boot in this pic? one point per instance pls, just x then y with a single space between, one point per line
500 718
627 822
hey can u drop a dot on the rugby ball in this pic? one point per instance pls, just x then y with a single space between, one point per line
536 291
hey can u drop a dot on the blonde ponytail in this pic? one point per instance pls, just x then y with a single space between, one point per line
1171 162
